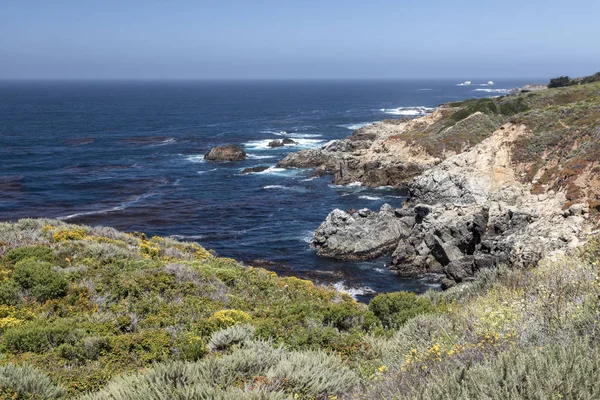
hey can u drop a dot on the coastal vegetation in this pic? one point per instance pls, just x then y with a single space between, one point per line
94 313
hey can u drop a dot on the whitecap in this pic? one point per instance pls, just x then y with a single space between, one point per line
296 136
353 292
372 198
164 142
307 236
120 207
493 90
382 270
408 111
282 187
257 157
274 132
205 172
188 237
196 159
277 171
312 178
350 185
300 142
465 83
424 89
354 127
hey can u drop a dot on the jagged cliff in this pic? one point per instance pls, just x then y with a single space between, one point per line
490 182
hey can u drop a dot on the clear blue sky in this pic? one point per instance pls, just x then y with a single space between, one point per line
107 39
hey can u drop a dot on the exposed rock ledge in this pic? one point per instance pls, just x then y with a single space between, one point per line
463 214
372 155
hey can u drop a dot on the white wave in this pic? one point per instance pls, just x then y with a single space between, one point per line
384 188
196 159
164 142
278 171
205 172
282 187
407 111
356 126
372 198
329 143
465 83
351 184
188 237
274 132
493 90
307 236
120 207
257 157
353 292
382 270
425 89
300 142
312 178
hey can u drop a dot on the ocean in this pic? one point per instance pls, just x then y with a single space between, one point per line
130 155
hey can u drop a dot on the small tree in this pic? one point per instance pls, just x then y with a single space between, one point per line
561 81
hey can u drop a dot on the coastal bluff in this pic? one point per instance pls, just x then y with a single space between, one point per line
490 182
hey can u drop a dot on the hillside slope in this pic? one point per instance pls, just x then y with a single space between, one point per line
92 313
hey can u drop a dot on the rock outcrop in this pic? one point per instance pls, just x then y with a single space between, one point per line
251 170
361 234
372 155
230 152
466 213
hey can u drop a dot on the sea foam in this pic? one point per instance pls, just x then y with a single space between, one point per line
493 90
353 291
356 126
300 142
407 111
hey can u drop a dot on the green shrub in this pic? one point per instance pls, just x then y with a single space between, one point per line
486 106
209 379
39 279
38 337
10 293
313 374
513 105
223 339
26 382
561 81
90 349
394 309
555 372
41 253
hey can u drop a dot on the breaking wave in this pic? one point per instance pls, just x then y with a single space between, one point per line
352 291
407 111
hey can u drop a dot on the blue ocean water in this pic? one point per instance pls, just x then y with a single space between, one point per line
130 155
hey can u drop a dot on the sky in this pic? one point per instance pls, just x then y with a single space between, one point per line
298 39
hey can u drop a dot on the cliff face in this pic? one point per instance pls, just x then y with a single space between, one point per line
491 182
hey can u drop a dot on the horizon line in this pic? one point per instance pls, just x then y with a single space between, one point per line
98 79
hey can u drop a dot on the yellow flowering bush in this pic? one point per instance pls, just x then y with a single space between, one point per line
62 235
225 318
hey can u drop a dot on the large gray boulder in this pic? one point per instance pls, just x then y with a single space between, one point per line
230 152
360 235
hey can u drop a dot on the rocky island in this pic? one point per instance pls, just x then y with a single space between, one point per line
490 182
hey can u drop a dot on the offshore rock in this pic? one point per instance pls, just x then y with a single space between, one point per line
250 170
230 152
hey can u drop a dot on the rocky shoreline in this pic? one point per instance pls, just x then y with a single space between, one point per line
470 203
